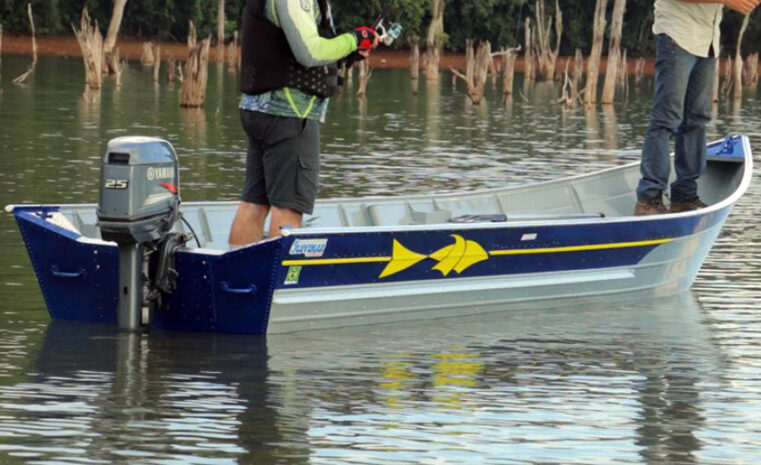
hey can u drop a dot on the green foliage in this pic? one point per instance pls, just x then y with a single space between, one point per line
500 21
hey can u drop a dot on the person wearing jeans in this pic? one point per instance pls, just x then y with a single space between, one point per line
686 46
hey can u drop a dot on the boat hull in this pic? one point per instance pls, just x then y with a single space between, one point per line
272 287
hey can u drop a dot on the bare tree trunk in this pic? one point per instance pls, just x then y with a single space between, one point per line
147 58
528 57
593 64
196 74
739 60
434 40
614 52
30 70
221 31
477 70
111 35
91 42
156 63
547 55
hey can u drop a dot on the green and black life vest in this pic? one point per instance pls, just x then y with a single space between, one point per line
267 62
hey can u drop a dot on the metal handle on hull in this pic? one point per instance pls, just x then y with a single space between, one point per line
67 274
225 287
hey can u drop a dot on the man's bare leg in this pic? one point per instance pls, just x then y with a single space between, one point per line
283 217
248 225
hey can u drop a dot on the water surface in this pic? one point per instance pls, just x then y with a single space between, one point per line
668 381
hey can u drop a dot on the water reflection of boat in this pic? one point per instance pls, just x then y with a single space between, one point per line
622 380
371 260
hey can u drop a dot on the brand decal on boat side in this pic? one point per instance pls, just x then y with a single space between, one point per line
292 277
309 247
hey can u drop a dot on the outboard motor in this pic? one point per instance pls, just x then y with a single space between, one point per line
139 205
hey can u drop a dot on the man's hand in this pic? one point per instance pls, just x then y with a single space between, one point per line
367 39
741 6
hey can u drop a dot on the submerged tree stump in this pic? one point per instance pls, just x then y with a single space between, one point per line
571 95
612 73
22 78
91 42
232 52
220 55
623 73
739 59
171 66
716 77
727 82
196 72
147 58
112 64
477 71
639 70
414 58
593 64
547 56
156 63
509 56
751 70
115 66
1 50
364 77
528 57
434 40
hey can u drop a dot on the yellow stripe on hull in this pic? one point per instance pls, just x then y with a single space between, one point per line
578 248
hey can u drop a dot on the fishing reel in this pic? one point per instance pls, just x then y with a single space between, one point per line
388 34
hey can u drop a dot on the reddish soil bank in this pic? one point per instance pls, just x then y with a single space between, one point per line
133 49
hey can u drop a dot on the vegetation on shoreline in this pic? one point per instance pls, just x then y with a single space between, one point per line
499 21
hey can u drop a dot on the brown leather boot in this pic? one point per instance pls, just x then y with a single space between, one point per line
653 206
687 205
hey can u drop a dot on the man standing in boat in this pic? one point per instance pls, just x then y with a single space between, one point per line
289 70
686 44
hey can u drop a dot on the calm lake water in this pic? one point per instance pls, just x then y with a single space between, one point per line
668 381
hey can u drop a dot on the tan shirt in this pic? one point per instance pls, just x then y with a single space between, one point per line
694 26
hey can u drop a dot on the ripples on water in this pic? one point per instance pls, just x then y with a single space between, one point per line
669 381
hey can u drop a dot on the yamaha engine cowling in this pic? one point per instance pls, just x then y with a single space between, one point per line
139 205
139 199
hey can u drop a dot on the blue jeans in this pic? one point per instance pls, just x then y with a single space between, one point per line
682 108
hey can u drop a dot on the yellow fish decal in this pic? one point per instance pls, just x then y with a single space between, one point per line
458 257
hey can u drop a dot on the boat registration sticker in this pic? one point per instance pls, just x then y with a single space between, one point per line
294 272
309 247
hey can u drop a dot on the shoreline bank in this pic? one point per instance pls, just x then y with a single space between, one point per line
132 49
